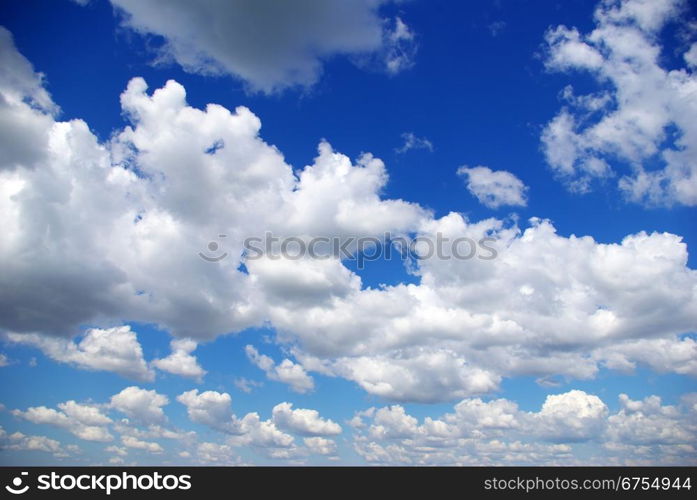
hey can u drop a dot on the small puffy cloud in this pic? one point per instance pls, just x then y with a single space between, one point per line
270 45
286 371
215 453
494 188
140 404
303 421
691 56
411 141
393 422
214 410
149 446
210 408
85 414
4 361
84 421
112 349
181 361
320 445
640 130
263 434
22 442
648 422
117 450
572 416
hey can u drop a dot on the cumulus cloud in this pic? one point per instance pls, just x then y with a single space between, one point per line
25 108
113 349
320 445
267 44
497 432
122 216
638 127
468 323
210 408
303 421
149 446
572 416
494 188
214 409
19 441
84 421
181 361
143 405
286 371
126 230
215 453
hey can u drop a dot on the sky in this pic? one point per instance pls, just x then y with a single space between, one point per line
537 160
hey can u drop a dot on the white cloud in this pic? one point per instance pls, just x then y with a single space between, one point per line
85 414
286 371
181 361
262 434
84 421
22 442
498 432
647 422
215 453
494 188
270 45
399 47
691 56
25 108
127 227
411 141
574 415
210 408
320 445
122 452
214 410
4 361
548 305
113 349
645 115
149 446
140 404
303 421
661 355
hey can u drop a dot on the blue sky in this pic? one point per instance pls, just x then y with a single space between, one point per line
562 129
